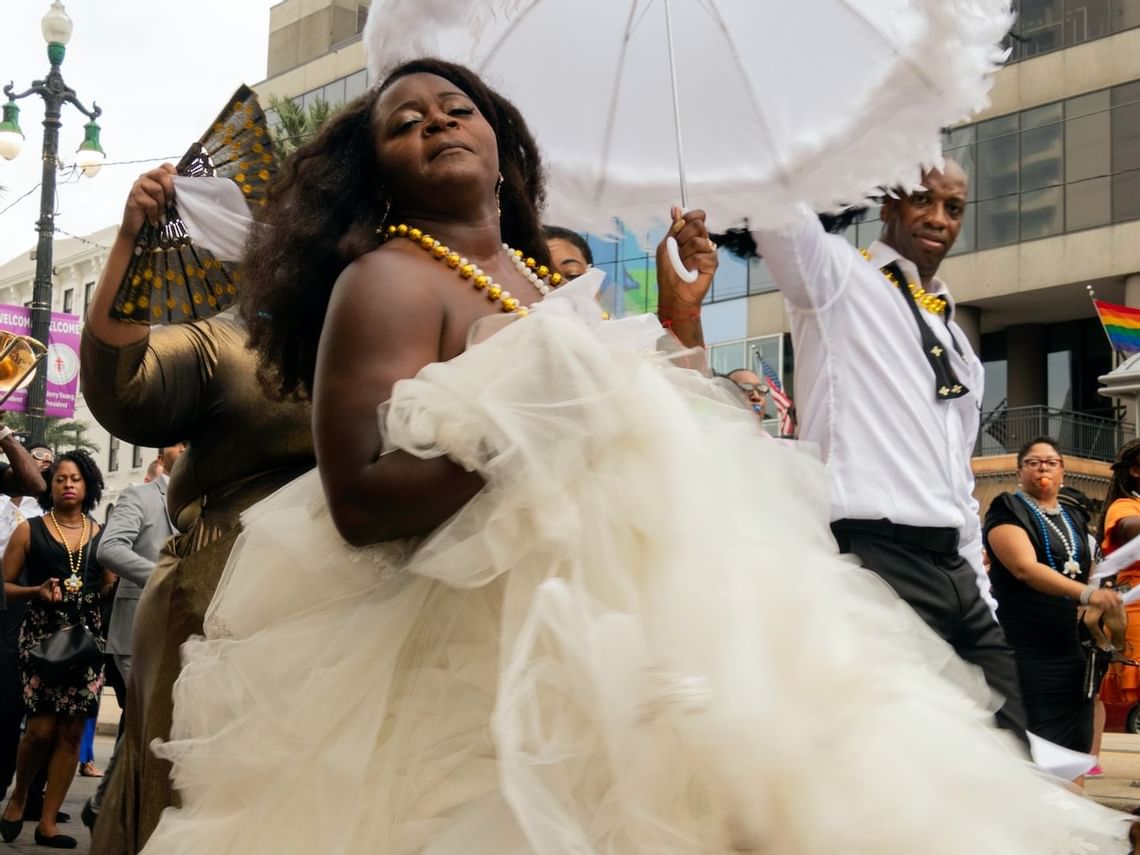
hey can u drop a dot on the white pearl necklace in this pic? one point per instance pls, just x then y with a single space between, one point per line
516 255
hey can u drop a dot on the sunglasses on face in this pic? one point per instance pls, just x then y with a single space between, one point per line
41 455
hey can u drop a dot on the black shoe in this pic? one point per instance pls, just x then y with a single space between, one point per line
89 815
58 841
10 829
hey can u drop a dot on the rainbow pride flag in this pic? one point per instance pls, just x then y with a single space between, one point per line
1122 325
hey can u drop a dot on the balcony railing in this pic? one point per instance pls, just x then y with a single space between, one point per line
1005 430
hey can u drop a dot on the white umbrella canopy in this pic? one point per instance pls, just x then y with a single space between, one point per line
777 102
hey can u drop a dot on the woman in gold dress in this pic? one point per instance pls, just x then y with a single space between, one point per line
155 386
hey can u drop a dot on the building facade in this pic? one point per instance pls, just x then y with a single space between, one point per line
76 265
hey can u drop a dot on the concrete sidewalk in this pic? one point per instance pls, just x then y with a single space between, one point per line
1120 759
81 789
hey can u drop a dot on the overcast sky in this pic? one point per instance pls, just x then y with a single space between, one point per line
161 70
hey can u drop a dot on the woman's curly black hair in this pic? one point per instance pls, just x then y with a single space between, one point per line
1122 484
323 210
90 473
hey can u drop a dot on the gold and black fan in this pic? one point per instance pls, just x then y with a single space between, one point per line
170 280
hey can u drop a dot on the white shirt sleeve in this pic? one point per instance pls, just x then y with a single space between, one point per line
808 265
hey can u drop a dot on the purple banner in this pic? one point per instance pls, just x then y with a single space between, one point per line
61 363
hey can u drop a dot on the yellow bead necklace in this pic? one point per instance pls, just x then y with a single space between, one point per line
74 582
538 274
931 302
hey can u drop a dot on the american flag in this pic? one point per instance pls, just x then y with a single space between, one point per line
785 409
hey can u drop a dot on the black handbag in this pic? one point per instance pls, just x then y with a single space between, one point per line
65 652
68 650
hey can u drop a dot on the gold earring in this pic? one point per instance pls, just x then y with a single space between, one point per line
498 192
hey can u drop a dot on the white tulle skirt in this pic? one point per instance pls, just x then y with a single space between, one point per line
638 638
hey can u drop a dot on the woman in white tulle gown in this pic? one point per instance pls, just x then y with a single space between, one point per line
588 608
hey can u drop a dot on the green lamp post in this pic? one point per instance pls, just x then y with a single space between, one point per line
56 28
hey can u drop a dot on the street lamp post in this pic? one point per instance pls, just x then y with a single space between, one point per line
55 93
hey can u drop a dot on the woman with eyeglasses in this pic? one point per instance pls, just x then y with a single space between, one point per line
1039 569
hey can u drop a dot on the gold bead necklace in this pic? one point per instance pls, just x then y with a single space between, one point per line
931 302
74 582
537 274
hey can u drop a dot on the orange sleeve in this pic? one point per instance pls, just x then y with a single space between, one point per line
1118 510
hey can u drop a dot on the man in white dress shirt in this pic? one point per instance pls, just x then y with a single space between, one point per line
889 388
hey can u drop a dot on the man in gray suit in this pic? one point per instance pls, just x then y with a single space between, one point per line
134 535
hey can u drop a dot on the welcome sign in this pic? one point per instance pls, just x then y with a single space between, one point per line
61 363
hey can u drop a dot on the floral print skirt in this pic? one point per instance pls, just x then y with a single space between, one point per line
79 695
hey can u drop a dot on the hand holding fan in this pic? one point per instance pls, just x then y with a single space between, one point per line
172 279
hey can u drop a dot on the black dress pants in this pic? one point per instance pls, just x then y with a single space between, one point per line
942 588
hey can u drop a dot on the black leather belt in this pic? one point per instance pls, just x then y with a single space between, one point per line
930 539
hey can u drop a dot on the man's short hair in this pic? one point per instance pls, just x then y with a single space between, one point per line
570 236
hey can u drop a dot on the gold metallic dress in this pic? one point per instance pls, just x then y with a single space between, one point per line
197 383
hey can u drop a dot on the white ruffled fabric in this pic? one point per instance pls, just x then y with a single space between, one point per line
818 102
638 638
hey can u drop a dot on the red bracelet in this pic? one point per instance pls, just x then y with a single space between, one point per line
667 322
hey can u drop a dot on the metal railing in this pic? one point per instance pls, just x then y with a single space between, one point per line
1005 430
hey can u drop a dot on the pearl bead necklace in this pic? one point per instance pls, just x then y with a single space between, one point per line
1069 543
537 274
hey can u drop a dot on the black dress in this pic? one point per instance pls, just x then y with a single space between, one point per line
1042 628
47 558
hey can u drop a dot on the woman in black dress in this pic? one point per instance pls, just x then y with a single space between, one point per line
1039 568
56 554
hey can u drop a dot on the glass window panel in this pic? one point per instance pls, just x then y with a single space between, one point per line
1086 105
1047 114
999 127
636 284
1087 204
601 249
1042 157
1126 93
967 240
959 137
355 85
731 277
997 167
1087 147
1084 20
1039 26
609 294
1124 14
727 357
1126 137
1042 213
1126 196
994 392
334 93
997 222
1059 379
760 279
967 159
309 98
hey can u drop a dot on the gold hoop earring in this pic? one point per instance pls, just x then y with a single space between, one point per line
498 192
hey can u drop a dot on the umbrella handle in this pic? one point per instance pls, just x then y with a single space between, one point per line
675 259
